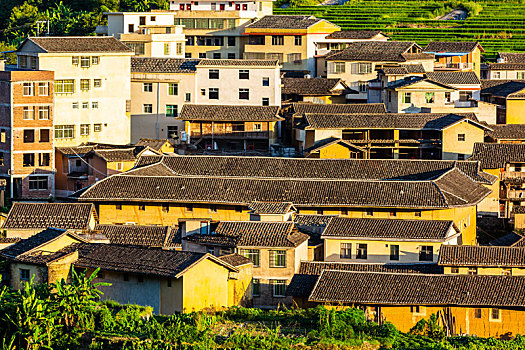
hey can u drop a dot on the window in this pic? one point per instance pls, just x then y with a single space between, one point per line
363 86
429 97
84 129
29 89
131 28
461 156
203 92
118 206
28 113
97 83
472 271
294 58
189 208
362 250
213 94
265 81
426 253
64 131
279 286
74 105
22 61
394 252
495 315
477 313
345 251
43 113
338 67
277 39
418 310
454 270
148 108
417 213
1 159
74 60
461 137
216 56
44 135
254 255
38 182
165 207
265 101
231 41
85 105
256 287
29 160
361 68
202 54
43 89
213 74
43 160
244 74
393 213
95 60
277 258
447 97
172 131
298 40
33 62
24 274
85 62
407 97
231 56
506 272
97 127
94 105
521 75
173 89
66 86
213 208
244 94
187 97
171 111
84 84
29 136
147 87
369 212
142 207
344 211
167 49
257 127
3 136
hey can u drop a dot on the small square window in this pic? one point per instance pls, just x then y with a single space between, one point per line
173 89
213 94
166 207
472 270
142 207
74 105
94 105
461 137
148 108
369 212
345 251
495 314
244 74
454 270
85 105
118 206
203 92
24 275
75 60
477 313
187 97
417 213
362 251
84 129
189 208
393 213
265 101
265 81
147 87
213 74
95 60
279 286
213 208
97 83
426 253
85 62
244 94
256 287
97 127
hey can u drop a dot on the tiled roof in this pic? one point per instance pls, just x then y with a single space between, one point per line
509 239
404 69
6 240
305 279
313 87
271 207
368 108
79 44
153 144
238 63
411 80
117 155
235 259
32 242
506 132
284 22
309 168
43 215
469 255
391 289
354 34
229 113
501 88
496 155
451 46
378 229
331 141
506 66
252 234
313 220
512 57
376 51
518 209
454 78
135 259
110 153
452 189
149 236
420 121
518 95
162 65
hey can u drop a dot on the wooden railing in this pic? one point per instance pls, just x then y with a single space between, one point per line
232 135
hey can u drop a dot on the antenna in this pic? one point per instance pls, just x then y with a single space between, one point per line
38 23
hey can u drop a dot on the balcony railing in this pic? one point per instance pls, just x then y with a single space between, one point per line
516 194
452 66
513 175
231 135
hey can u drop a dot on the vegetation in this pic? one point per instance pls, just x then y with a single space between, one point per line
68 316
497 25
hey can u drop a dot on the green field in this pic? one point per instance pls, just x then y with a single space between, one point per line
499 26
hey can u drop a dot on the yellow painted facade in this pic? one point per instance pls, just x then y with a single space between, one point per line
519 221
452 146
491 203
336 151
515 111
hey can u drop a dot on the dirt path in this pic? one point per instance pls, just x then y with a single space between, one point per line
457 14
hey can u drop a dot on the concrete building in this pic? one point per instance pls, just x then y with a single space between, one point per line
27 111
508 66
456 56
91 89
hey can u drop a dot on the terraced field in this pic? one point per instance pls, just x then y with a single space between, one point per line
499 26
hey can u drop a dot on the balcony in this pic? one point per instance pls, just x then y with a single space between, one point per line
513 176
516 194
453 66
231 135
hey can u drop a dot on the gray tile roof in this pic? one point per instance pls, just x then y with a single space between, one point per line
162 65
454 78
355 34
271 207
237 63
510 239
148 236
506 132
284 22
404 69
497 155
79 44
391 289
398 229
452 46
482 256
43 215
314 87
501 88
305 279
235 259
512 57
420 121
153 144
368 108
506 66
331 141
229 113
26 245
377 51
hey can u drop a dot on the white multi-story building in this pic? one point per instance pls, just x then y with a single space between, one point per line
92 89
